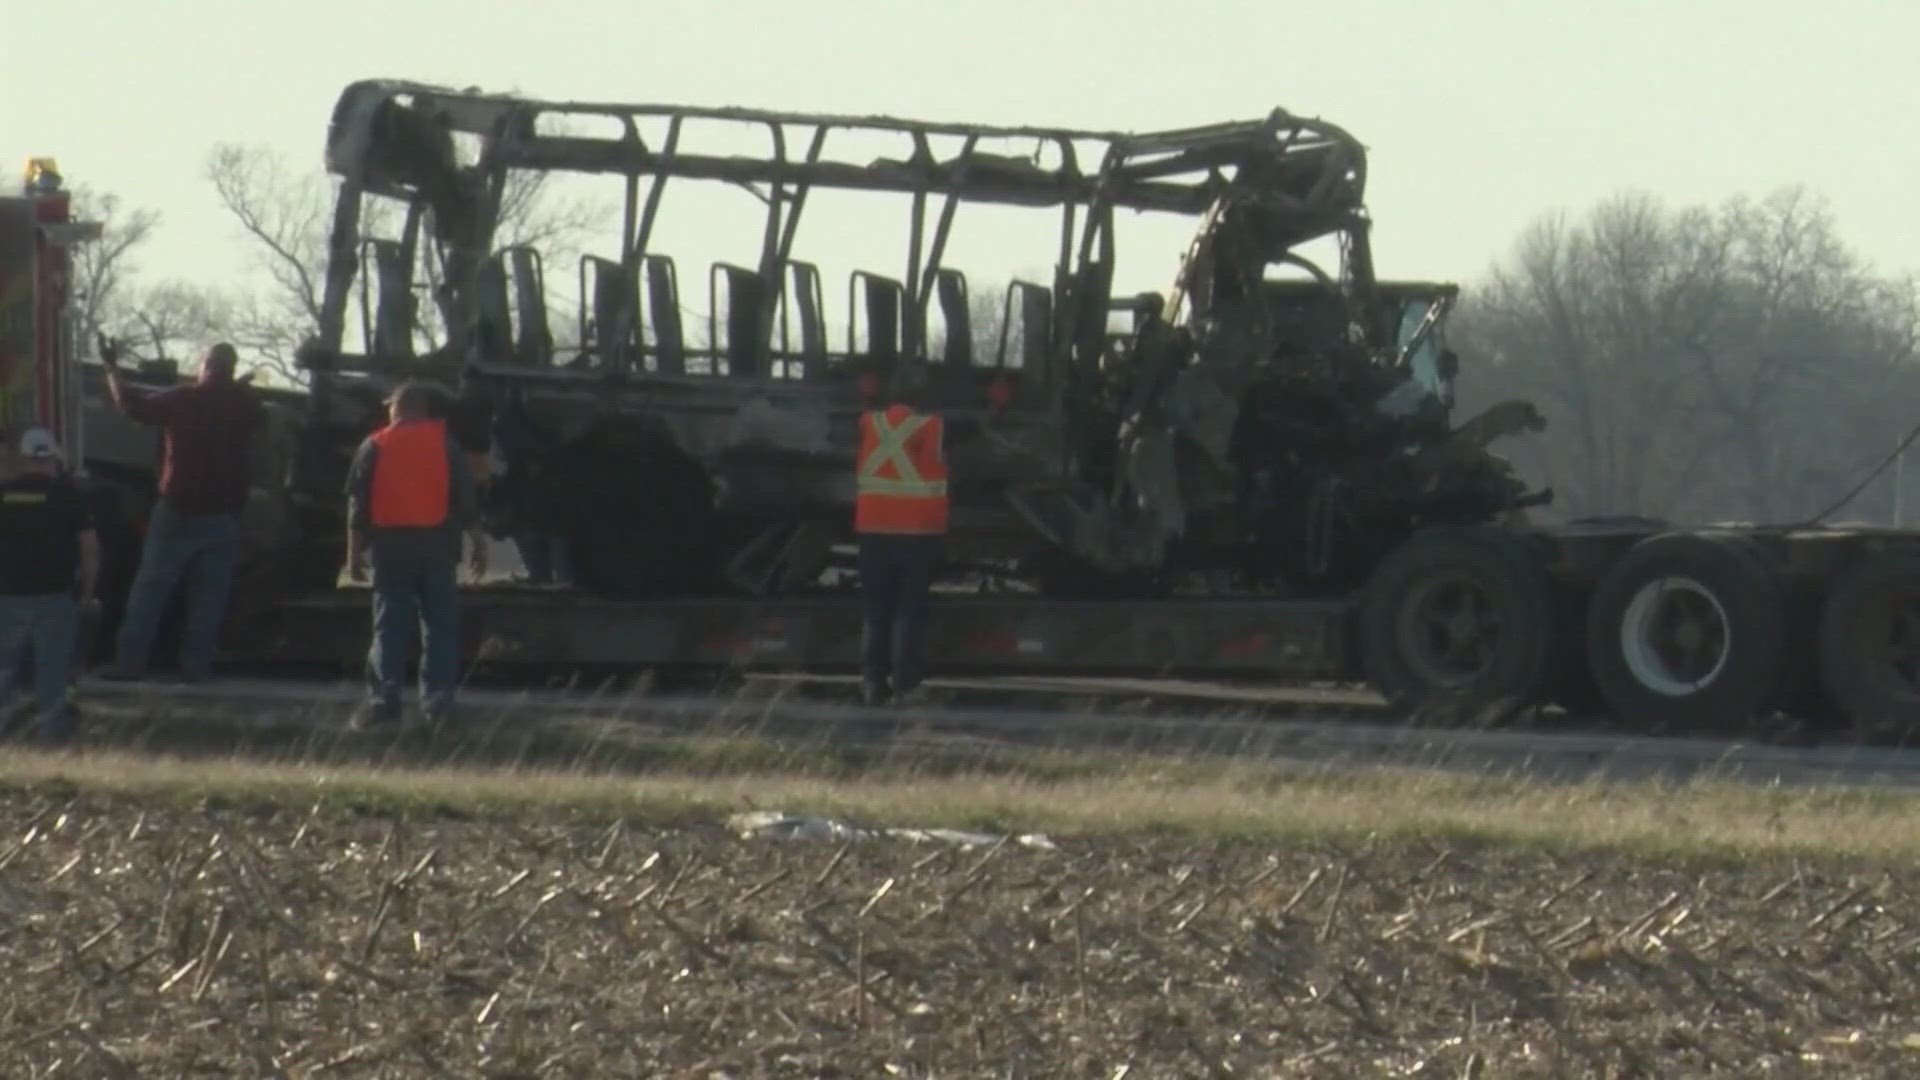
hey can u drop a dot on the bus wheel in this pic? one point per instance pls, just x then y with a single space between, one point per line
1457 625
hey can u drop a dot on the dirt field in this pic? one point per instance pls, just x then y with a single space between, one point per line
151 936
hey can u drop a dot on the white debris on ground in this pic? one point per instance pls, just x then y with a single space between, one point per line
777 823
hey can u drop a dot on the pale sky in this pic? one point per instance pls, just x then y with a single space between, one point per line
1478 114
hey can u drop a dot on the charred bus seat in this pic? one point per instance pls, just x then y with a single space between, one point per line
533 336
390 316
668 352
883 302
805 358
609 339
950 290
742 347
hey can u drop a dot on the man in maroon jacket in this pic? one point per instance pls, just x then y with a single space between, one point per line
207 431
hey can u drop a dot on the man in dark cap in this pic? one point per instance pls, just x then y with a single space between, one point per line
410 498
49 564
208 431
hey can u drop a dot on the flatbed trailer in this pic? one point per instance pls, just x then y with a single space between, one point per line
1674 628
516 632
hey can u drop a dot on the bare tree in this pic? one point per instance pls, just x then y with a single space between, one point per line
169 321
1694 362
104 268
285 214
1810 350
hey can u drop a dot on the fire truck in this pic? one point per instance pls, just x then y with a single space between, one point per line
38 333
41 379
45 383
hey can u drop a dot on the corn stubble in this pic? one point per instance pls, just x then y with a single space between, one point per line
158 938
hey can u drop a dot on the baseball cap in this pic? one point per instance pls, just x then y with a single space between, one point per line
38 442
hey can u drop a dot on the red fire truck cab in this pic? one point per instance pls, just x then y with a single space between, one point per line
39 337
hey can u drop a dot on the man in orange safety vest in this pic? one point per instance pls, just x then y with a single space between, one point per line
900 514
410 497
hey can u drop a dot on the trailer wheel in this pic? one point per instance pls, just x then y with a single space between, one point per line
1869 641
1688 629
1457 624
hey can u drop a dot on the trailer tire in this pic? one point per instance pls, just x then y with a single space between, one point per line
1735 613
1860 666
1488 596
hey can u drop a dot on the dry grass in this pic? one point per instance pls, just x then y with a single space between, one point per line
1105 795
633 765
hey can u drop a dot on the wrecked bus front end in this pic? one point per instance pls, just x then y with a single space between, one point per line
690 448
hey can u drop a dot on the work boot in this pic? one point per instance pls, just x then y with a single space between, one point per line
374 716
873 695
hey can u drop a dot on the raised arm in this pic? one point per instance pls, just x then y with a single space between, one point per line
143 408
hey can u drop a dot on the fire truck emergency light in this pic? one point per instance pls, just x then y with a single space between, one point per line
43 176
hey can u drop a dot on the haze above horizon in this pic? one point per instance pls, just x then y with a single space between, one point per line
1480 116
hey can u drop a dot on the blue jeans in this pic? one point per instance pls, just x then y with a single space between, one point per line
415 591
896 583
207 545
46 625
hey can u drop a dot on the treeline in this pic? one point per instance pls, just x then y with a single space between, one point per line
1736 362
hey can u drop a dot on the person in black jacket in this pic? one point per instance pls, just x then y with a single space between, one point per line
49 551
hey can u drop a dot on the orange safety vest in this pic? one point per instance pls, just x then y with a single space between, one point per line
901 484
411 475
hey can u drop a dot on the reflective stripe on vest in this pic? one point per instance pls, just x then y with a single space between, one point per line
913 499
891 449
411 478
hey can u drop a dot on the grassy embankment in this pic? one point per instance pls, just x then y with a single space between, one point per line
627 766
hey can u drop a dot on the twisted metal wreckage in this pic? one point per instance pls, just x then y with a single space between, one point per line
1247 431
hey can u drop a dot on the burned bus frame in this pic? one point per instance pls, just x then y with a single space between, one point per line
1303 178
1260 189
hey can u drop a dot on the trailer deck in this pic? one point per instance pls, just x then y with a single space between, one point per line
516 631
